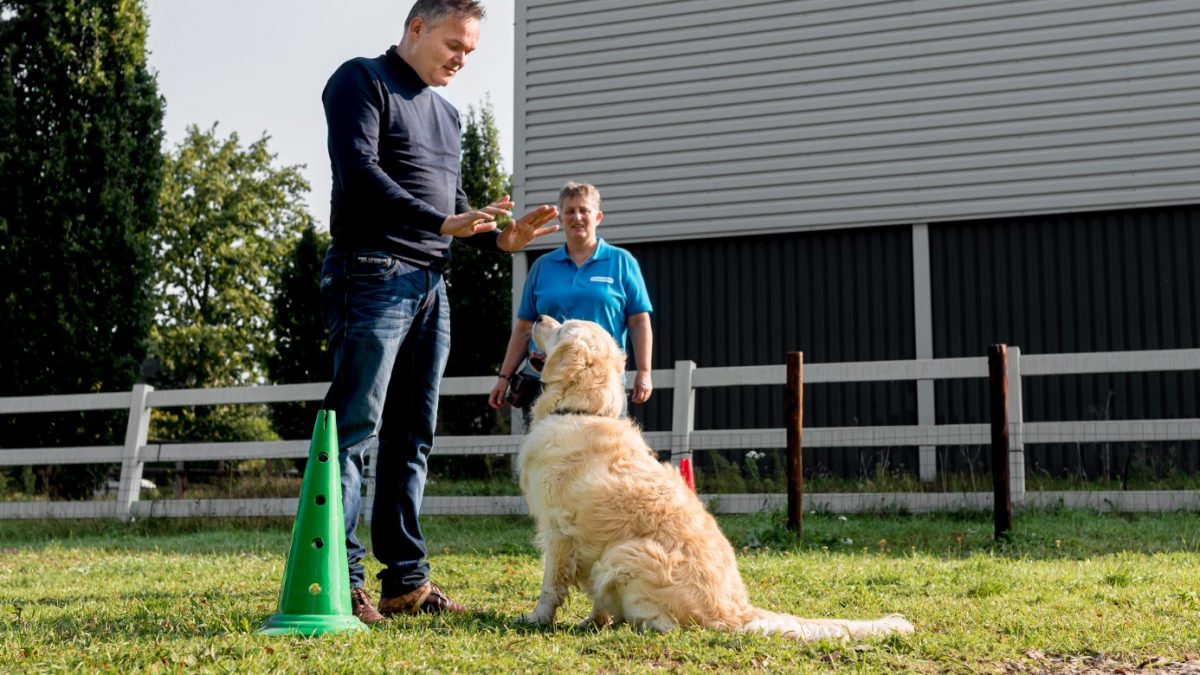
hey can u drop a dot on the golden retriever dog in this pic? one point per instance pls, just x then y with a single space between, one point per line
621 525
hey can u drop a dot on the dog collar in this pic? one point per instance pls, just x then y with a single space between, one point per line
585 413
563 411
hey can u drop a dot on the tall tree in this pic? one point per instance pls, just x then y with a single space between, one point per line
299 355
80 160
479 282
229 218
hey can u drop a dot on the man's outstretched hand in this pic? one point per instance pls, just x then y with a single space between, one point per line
516 236
473 222
528 227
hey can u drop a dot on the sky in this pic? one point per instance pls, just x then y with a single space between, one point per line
259 67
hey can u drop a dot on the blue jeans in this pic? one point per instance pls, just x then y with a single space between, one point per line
389 336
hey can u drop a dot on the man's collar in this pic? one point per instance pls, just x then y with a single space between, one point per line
404 71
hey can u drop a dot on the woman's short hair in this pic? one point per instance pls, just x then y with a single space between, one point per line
586 190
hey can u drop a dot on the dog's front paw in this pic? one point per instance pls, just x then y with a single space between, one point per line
595 620
535 618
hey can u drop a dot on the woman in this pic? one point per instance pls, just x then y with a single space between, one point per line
585 279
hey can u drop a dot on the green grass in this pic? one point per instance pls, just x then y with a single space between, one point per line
1070 587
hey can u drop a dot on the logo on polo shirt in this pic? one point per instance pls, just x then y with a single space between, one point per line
603 280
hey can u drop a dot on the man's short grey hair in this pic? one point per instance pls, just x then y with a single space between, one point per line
585 190
433 11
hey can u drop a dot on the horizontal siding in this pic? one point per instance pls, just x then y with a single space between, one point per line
694 116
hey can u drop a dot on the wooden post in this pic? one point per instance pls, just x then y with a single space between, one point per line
795 442
1016 428
998 393
683 414
137 430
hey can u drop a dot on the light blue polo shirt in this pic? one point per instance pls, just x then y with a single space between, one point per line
607 289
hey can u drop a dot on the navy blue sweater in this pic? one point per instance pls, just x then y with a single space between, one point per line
395 148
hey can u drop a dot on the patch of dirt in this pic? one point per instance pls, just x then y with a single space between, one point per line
1101 663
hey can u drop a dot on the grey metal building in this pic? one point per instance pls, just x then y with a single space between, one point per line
896 179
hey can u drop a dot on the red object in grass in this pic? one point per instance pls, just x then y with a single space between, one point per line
685 470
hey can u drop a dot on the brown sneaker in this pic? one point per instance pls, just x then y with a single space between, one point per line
428 598
361 605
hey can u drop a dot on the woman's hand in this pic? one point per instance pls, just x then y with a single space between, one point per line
496 396
642 386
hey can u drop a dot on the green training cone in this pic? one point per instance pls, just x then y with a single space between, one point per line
315 598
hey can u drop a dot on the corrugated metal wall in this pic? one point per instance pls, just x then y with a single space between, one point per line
840 295
706 117
1108 281
1111 281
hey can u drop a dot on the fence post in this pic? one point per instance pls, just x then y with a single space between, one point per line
998 395
520 271
1016 434
795 441
683 413
137 429
926 416
923 323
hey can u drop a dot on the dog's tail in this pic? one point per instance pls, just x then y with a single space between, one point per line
785 625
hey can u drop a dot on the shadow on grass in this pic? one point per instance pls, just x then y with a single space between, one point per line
444 534
158 616
142 597
476 621
173 622
1036 534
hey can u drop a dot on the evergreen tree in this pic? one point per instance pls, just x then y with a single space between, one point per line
80 161
229 218
479 283
299 355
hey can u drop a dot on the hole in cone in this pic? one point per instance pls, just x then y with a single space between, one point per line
318 542
324 457
320 500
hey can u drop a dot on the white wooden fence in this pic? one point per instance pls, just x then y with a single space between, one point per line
682 439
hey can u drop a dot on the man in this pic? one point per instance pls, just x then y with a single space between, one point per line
397 201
